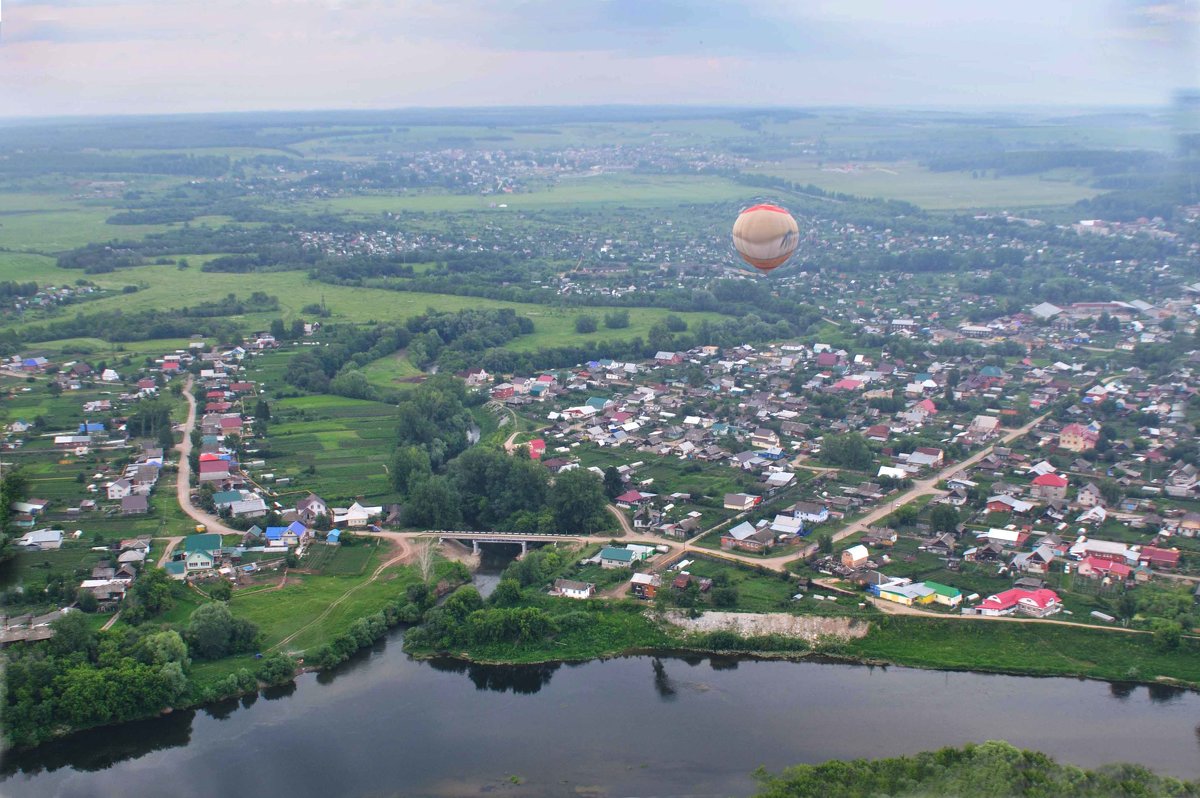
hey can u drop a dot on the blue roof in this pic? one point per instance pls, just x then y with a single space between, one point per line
94 426
334 535
275 532
297 528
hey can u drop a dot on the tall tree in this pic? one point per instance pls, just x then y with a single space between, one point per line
578 502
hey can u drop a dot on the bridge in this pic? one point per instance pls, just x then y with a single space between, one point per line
523 538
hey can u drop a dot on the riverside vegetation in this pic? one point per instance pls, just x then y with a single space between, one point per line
989 770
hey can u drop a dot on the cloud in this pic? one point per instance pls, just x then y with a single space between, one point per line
94 56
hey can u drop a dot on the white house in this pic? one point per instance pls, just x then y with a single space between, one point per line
356 515
569 588
42 539
119 489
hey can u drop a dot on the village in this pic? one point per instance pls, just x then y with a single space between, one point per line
1013 474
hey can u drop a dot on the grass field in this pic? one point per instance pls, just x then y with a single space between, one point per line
165 287
1029 648
587 190
935 190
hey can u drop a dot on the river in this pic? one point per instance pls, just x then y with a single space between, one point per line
384 725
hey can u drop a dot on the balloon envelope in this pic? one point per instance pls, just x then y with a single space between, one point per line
765 236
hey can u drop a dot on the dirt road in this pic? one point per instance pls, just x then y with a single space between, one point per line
183 482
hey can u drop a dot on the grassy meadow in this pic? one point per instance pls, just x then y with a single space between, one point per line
935 191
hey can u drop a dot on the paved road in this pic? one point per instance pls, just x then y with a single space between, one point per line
183 481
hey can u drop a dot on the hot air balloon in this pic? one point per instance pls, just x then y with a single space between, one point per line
765 236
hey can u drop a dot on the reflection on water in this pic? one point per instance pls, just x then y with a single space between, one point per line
521 679
100 749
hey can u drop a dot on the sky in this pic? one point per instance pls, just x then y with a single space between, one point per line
83 57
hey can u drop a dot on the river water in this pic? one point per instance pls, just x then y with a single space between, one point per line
386 725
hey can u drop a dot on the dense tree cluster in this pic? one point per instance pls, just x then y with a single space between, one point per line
82 678
988 770
849 450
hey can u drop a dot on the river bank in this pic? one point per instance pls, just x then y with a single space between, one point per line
933 644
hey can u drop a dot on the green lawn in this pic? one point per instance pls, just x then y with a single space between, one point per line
280 613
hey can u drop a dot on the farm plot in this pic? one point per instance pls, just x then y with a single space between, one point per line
336 447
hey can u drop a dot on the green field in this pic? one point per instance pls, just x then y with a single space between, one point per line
570 192
936 191
165 287
347 441
280 613
1026 648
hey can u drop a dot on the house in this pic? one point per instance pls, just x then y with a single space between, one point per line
855 556
1077 438
1090 496
1097 568
108 592
668 358
1037 603
764 438
740 501
1166 559
1104 550
615 558
633 498
135 504
810 513
356 515
1003 503
985 425
537 448
249 507
1050 487
900 592
1034 562
44 539
747 537
645 586
310 508
569 588
944 594
119 489
200 553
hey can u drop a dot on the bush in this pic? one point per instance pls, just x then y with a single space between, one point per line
585 324
278 668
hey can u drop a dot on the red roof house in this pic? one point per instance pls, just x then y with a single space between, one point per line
1159 558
